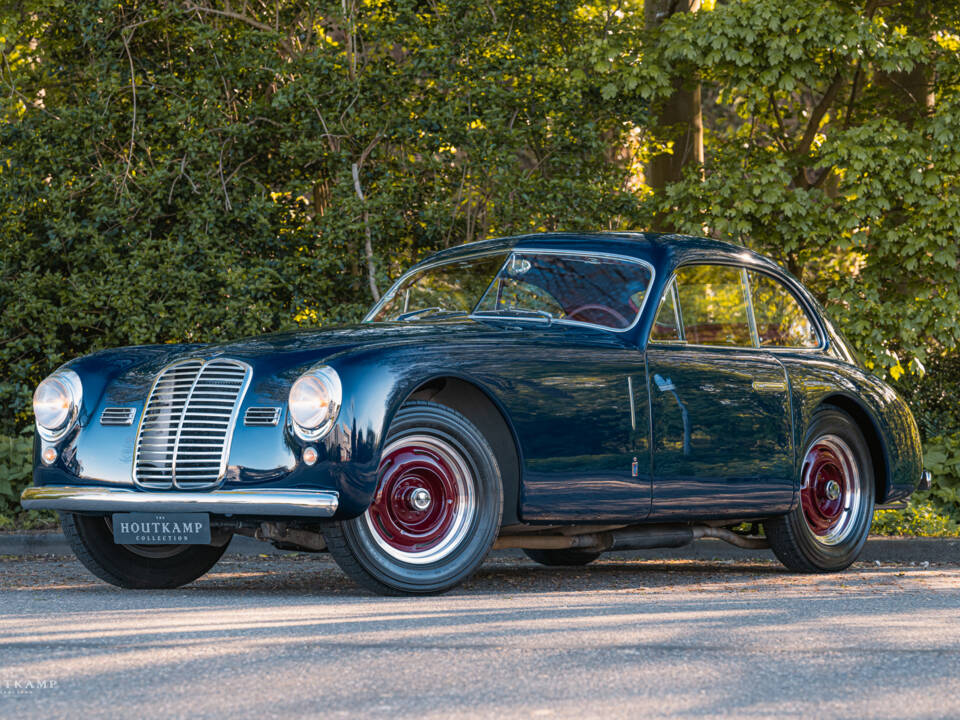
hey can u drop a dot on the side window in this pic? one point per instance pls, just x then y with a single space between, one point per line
713 305
781 322
666 325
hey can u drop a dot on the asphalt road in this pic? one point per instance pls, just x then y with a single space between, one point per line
289 637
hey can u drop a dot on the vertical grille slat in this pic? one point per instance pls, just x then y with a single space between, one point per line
188 421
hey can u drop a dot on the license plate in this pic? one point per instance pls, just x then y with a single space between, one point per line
161 529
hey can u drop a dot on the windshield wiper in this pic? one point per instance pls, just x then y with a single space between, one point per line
522 312
435 310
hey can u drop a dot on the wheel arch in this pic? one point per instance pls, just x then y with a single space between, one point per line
871 433
474 402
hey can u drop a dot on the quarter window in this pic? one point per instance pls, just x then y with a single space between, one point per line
781 322
666 325
713 305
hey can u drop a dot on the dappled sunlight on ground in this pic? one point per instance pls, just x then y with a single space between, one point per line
269 635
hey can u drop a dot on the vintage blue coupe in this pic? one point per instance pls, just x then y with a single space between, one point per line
567 394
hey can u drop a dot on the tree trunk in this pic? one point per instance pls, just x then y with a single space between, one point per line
679 118
911 92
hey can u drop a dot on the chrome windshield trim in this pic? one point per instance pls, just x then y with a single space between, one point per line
70 498
530 251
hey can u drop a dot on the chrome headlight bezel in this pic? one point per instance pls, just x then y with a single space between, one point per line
71 390
321 376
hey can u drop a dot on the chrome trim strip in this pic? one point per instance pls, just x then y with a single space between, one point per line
529 251
748 299
69 498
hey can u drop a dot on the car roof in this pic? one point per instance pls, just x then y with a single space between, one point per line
664 250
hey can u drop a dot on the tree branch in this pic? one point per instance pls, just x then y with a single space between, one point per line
783 138
133 121
816 117
368 245
232 14
853 95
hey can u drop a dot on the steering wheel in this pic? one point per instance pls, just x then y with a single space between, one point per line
621 320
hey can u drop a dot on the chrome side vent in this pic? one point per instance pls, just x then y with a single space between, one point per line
187 424
264 416
117 416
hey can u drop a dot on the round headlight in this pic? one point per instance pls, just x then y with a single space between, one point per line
314 402
56 403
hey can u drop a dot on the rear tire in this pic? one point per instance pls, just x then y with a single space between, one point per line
436 510
827 529
135 566
562 558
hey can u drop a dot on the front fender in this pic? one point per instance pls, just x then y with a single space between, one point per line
375 385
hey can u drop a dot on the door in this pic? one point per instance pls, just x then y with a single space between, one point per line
721 430
574 385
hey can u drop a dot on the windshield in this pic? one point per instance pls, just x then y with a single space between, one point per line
451 288
608 292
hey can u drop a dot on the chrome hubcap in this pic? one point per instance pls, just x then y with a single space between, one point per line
830 490
419 499
426 500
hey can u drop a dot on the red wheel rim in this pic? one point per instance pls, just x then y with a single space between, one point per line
423 496
829 494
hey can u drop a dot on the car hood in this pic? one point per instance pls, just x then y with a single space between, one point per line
126 374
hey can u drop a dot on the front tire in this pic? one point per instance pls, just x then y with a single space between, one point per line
436 510
135 566
827 529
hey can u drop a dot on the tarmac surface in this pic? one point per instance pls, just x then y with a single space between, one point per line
288 636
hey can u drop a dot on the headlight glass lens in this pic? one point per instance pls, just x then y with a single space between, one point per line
56 401
314 402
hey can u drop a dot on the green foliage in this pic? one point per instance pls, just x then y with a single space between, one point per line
185 172
16 472
171 173
920 518
16 469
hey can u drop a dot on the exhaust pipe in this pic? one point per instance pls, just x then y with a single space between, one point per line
636 537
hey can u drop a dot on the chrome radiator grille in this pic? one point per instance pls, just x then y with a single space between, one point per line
185 431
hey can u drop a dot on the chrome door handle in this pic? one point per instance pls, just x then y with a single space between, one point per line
769 386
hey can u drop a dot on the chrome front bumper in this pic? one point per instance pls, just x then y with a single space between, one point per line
280 503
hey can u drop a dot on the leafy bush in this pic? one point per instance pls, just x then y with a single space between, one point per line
16 467
188 172
172 173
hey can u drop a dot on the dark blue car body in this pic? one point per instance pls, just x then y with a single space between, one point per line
588 424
